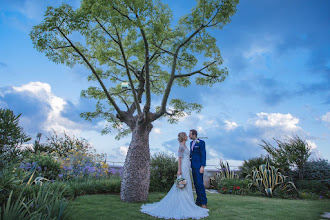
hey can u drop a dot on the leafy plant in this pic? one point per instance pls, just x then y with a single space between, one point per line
248 165
318 170
47 167
312 186
267 177
8 182
234 186
163 170
225 171
15 209
12 135
292 152
44 202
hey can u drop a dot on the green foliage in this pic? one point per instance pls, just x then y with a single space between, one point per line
77 187
234 186
267 178
94 186
225 171
44 203
312 186
8 180
62 145
163 171
135 42
48 167
15 209
12 135
248 165
318 170
292 152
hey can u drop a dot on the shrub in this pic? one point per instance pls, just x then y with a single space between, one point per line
8 181
234 186
77 158
312 186
225 171
46 202
47 167
11 135
318 170
163 171
250 163
292 152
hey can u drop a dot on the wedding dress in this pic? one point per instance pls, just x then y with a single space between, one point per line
178 203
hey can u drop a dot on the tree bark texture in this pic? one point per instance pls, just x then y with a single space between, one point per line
136 172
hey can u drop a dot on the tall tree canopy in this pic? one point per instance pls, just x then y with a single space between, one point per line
136 42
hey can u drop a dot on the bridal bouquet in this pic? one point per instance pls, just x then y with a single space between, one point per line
180 182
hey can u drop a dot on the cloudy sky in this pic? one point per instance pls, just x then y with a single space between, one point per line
277 54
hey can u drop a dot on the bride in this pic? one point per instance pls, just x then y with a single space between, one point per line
178 203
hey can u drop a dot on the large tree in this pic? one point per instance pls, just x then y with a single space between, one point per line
135 43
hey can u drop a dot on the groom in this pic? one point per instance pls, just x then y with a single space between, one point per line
198 162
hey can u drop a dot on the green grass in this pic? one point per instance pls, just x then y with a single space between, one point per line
221 207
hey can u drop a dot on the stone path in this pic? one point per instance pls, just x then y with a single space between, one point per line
208 191
211 191
326 215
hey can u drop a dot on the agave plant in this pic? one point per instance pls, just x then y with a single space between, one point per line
268 177
225 171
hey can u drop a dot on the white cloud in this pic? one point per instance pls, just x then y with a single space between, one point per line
326 118
311 144
156 130
55 121
284 121
123 150
201 130
230 125
256 51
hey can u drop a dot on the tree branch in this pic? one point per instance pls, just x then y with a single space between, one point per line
128 73
56 48
125 61
126 16
112 101
147 80
198 71
171 80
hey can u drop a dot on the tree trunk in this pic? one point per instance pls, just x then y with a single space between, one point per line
136 174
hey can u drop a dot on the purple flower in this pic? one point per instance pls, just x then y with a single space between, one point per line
60 175
22 166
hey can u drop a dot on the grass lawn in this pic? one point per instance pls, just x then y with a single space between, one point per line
221 207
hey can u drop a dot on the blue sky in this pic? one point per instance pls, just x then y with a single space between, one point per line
277 54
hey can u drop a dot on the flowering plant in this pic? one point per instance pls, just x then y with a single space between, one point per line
180 182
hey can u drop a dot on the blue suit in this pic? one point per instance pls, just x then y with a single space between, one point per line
198 159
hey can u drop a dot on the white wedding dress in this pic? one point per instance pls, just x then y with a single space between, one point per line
178 203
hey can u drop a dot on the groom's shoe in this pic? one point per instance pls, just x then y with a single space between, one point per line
204 206
198 205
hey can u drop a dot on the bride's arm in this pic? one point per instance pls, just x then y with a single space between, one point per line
179 166
180 155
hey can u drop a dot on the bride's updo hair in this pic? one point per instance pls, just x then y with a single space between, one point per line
181 136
